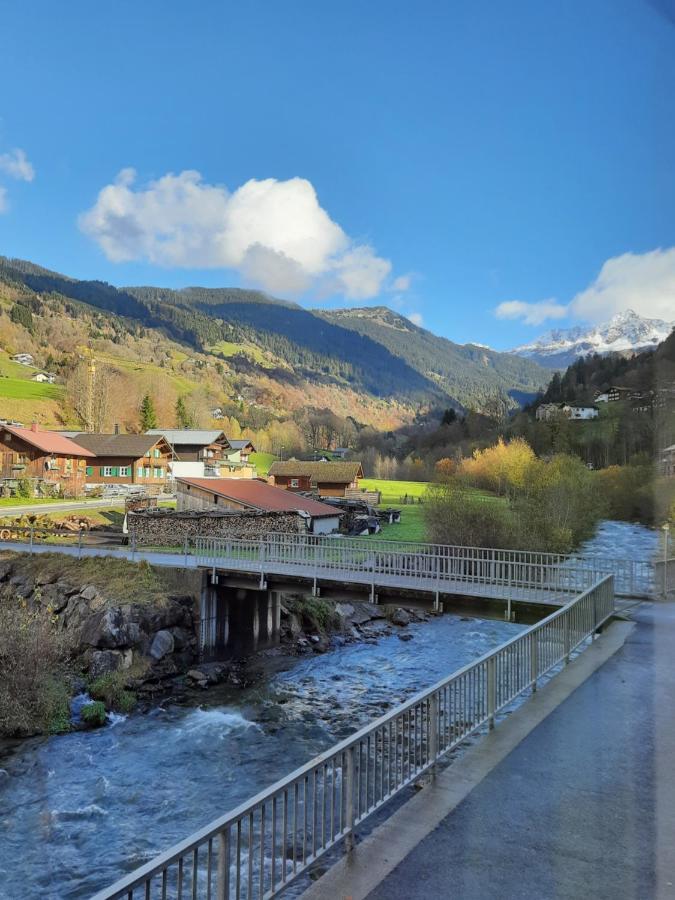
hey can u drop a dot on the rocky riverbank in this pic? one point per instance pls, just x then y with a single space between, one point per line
126 635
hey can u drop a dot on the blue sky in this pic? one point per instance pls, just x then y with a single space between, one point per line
443 158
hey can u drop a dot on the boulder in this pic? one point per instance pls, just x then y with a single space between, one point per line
162 645
183 638
344 610
105 661
111 629
400 617
90 592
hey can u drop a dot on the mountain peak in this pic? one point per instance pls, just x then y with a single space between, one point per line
626 331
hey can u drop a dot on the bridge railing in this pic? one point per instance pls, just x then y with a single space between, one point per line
558 572
257 849
434 566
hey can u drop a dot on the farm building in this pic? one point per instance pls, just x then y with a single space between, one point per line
44 456
44 377
25 359
329 479
200 453
141 459
251 494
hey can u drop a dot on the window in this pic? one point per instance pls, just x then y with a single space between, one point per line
139 472
295 482
146 471
215 498
125 471
157 453
108 471
157 472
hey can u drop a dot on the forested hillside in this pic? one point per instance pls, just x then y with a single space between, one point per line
469 371
259 360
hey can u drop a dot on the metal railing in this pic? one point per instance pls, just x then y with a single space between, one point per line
550 572
434 566
257 849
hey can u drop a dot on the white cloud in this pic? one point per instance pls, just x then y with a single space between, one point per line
16 165
402 283
4 202
416 318
531 313
643 282
275 233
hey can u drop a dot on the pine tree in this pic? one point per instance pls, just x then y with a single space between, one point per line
148 415
183 417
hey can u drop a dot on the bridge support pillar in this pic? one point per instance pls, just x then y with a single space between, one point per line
237 621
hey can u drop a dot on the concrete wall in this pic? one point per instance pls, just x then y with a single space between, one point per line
165 527
325 526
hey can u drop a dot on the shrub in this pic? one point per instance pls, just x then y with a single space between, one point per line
33 661
93 714
112 690
455 517
24 489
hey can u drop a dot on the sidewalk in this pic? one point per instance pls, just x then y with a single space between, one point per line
582 807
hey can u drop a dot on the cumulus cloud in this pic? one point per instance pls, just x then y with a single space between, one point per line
643 282
17 165
531 313
416 318
275 233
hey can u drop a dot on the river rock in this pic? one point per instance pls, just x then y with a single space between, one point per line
344 610
105 661
162 644
400 617
365 612
405 636
110 629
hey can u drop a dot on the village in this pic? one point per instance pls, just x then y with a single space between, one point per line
180 483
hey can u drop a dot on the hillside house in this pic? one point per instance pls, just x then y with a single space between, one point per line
139 459
547 411
44 377
612 395
199 494
24 359
44 456
580 412
328 479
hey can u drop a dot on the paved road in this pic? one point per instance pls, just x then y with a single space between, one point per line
584 807
65 506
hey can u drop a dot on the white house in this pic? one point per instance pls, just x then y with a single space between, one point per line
580 412
44 377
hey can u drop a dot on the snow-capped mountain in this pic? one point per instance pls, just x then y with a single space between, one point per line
624 332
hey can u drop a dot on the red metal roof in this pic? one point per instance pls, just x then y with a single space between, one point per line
260 495
48 441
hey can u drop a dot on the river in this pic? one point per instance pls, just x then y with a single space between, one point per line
76 811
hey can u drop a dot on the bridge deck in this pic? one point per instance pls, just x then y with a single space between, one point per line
402 582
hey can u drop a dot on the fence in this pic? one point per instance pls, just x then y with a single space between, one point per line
256 850
434 567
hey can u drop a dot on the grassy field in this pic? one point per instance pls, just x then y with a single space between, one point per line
262 462
22 389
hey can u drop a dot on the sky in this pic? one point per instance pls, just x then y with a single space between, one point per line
490 170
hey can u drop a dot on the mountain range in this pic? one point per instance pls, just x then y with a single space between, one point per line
625 332
372 363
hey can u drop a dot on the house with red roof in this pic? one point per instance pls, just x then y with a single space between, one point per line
44 457
252 494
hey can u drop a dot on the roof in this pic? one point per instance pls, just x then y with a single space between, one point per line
319 471
260 495
131 445
189 436
48 441
239 444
